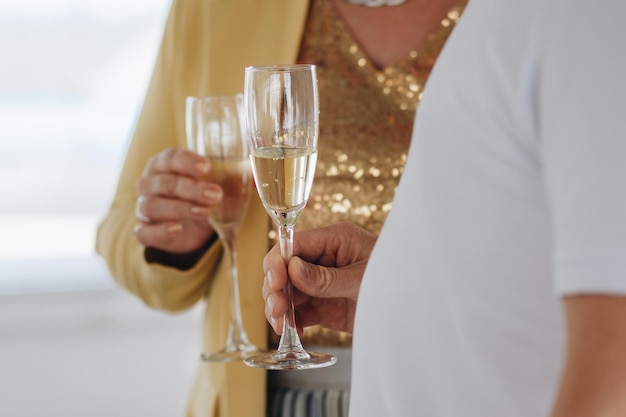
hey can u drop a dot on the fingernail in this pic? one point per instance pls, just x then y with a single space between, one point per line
175 228
268 278
203 167
271 300
213 194
273 322
305 270
199 210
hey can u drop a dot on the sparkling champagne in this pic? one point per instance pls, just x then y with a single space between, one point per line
284 177
234 176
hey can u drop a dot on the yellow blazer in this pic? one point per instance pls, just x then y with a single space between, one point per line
205 47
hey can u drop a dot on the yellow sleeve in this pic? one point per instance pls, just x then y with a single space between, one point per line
204 49
160 125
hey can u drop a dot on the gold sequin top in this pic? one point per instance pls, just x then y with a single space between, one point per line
366 121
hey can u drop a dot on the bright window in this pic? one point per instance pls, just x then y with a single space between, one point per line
72 78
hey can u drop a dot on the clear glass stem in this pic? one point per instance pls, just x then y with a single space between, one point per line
236 333
289 340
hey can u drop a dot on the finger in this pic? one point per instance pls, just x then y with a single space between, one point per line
275 272
273 260
275 309
274 296
157 236
173 237
277 326
178 160
180 187
157 209
308 315
336 245
275 279
325 282
299 298
138 213
337 314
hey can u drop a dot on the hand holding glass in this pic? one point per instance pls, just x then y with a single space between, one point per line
214 130
282 115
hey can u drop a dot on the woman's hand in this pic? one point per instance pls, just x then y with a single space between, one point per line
173 203
326 273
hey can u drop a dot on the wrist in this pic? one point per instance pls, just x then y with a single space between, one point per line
181 261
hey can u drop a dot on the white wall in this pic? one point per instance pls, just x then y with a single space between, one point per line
94 353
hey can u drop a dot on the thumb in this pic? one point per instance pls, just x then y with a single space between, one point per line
324 282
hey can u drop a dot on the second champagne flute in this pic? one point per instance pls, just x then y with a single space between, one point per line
214 130
282 115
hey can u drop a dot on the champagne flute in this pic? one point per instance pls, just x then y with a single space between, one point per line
214 127
282 115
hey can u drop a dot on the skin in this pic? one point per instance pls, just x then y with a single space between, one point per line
389 33
594 378
327 269
326 275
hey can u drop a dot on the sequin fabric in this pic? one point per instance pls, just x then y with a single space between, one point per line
366 120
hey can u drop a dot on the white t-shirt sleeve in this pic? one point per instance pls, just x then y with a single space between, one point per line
581 119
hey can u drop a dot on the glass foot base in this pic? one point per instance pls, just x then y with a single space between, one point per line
230 354
290 360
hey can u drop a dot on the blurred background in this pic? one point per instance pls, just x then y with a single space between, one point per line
72 343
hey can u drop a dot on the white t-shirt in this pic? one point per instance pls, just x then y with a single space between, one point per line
514 195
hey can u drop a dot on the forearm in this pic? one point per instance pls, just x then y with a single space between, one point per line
183 261
594 377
